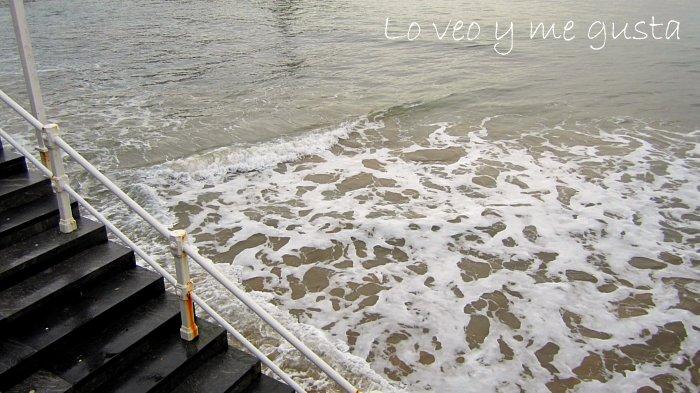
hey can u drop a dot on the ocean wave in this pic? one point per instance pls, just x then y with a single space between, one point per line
229 160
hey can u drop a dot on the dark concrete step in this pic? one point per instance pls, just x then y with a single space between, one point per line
12 354
169 361
33 254
42 381
23 187
54 285
95 306
269 385
11 163
93 359
230 372
29 219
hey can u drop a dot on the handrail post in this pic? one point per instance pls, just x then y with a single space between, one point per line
189 330
59 179
31 78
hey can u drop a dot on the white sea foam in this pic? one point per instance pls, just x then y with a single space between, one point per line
228 160
598 196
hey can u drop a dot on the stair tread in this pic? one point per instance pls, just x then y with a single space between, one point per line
269 385
46 283
42 381
44 241
11 162
167 355
13 352
19 216
222 373
19 255
17 182
101 347
59 322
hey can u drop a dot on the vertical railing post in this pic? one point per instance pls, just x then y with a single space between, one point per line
31 78
189 330
59 179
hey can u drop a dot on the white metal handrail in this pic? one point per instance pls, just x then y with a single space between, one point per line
190 250
31 77
159 269
50 147
21 111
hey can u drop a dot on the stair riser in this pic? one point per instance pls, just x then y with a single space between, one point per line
26 195
39 224
12 167
168 383
31 314
55 255
228 372
269 385
124 359
253 375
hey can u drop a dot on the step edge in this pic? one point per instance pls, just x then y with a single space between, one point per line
216 343
25 229
92 380
150 289
243 381
122 261
32 263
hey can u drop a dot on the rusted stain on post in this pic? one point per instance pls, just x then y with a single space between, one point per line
44 156
190 314
189 330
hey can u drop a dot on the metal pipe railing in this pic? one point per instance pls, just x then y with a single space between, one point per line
52 165
26 56
31 77
159 269
188 248
21 111
211 269
133 205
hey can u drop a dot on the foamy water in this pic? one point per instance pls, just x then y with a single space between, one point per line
466 261
427 216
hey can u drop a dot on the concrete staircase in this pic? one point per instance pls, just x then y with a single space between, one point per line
78 315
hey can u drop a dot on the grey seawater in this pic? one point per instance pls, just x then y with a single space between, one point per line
455 219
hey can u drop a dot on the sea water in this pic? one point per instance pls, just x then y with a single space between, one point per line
428 215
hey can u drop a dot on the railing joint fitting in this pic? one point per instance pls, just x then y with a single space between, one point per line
50 132
59 183
184 290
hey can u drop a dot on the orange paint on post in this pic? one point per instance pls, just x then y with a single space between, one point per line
190 315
